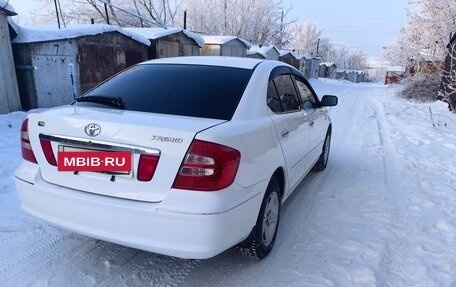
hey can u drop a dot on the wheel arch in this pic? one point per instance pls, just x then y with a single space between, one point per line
280 175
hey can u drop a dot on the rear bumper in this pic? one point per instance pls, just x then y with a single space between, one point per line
139 224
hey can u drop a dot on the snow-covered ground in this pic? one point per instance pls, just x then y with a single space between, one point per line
382 214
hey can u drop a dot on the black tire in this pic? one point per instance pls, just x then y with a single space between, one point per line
322 162
262 238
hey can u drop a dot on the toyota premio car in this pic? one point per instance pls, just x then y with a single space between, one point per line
185 157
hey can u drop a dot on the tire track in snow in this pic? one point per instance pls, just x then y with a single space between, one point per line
44 250
393 272
142 268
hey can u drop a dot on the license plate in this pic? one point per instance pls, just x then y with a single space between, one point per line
112 162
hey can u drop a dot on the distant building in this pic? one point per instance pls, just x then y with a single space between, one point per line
269 52
312 67
56 65
230 46
9 92
394 74
170 42
327 70
292 58
355 76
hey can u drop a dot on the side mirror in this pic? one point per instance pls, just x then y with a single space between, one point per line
329 101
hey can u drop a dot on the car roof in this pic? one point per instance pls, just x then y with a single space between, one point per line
235 62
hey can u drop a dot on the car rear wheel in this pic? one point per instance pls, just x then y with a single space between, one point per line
262 238
323 160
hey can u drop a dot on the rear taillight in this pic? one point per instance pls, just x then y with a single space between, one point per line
48 153
27 152
207 167
146 167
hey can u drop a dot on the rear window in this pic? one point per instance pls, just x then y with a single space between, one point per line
187 90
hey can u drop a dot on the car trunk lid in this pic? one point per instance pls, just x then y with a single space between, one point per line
166 136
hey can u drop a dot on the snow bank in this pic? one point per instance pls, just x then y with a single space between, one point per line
156 32
47 33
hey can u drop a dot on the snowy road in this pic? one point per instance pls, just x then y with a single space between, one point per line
382 214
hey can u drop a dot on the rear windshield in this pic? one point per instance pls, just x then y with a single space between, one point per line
187 90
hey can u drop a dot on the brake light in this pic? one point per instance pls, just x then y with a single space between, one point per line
48 153
207 167
146 167
26 148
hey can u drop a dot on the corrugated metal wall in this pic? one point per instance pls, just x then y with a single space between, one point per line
51 73
102 56
53 82
173 45
9 92
233 48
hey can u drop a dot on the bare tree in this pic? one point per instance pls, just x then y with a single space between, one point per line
447 90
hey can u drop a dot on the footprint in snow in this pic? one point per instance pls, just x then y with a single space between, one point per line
441 227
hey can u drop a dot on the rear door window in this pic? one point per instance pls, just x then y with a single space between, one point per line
308 99
273 99
287 93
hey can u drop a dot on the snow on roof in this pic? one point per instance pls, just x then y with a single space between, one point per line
253 52
220 40
395 69
263 49
297 56
284 52
156 32
9 10
328 64
47 33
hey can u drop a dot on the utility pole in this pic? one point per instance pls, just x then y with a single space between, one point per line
57 13
106 12
318 46
281 31
185 20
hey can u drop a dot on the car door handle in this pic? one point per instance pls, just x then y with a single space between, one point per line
285 133
311 123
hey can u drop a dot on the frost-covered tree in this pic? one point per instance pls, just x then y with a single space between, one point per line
137 13
426 34
258 21
357 61
305 36
426 37
448 86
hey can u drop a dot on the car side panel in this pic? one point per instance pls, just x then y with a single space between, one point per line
258 143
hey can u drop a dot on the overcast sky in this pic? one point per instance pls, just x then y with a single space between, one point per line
366 25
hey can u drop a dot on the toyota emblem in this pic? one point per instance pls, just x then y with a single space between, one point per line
92 130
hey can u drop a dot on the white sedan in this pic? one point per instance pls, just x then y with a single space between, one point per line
185 156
